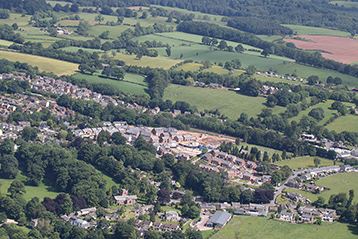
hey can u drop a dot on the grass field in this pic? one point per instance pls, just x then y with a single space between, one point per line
275 80
299 29
43 63
262 228
337 183
344 123
114 31
132 84
227 102
304 162
347 3
75 49
5 43
40 191
145 61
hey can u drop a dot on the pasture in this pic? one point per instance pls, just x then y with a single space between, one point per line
227 102
304 162
42 63
341 49
131 84
344 123
146 61
337 183
308 30
245 227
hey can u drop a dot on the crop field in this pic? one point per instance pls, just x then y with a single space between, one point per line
337 183
307 30
304 162
146 61
131 84
43 63
344 123
335 48
40 191
245 227
227 102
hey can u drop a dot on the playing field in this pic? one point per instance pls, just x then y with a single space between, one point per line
299 29
245 227
337 183
304 162
43 63
227 102
132 84
344 123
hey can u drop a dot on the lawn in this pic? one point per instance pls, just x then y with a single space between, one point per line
337 183
146 61
245 227
304 162
43 63
132 84
344 123
307 30
227 102
40 191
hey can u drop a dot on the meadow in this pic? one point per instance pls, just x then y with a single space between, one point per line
227 102
245 227
307 30
40 191
304 162
131 84
337 183
344 123
43 63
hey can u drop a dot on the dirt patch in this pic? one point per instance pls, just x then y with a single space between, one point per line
341 49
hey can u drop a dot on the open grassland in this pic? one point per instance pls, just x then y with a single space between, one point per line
190 67
337 183
227 102
345 123
40 191
304 162
306 71
270 38
43 63
145 61
114 31
262 228
5 43
75 49
19 19
307 30
326 106
131 84
196 67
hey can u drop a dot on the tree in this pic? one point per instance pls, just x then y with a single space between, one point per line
99 18
29 134
125 230
317 113
83 28
251 70
113 72
118 138
206 40
316 162
239 48
8 166
104 35
313 80
223 45
163 196
265 52
86 68
16 188
168 50
34 208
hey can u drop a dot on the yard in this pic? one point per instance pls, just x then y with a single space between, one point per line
245 227
227 102
43 63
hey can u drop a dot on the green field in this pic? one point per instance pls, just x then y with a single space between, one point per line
43 63
307 30
245 227
337 183
146 61
132 84
40 191
347 3
344 123
114 31
227 102
304 162
75 49
5 43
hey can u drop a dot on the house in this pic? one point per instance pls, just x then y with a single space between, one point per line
125 198
286 216
172 216
328 215
86 211
80 223
219 219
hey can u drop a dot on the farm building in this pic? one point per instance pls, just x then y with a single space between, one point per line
219 219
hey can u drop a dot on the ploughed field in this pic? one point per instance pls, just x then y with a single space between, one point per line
341 49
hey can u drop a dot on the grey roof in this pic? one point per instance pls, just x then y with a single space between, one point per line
219 218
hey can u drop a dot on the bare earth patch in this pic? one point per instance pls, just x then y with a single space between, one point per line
341 49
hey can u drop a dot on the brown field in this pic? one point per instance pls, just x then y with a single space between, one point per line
335 48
